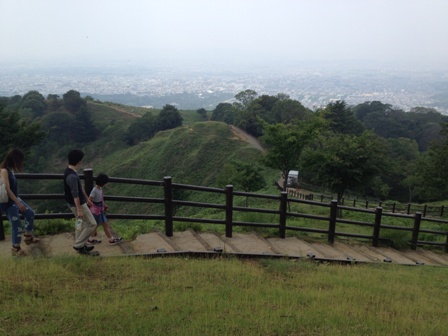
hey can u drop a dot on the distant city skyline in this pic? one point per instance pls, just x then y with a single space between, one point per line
196 89
225 34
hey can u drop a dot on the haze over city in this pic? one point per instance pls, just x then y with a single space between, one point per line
408 32
48 42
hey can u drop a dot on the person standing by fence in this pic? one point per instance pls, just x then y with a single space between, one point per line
98 209
13 163
78 202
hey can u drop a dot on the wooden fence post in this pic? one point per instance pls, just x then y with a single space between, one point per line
377 226
367 203
229 210
354 202
446 244
88 180
408 211
283 207
393 208
2 228
168 190
332 224
441 211
425 209
416 230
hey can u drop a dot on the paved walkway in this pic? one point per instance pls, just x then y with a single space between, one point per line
250 245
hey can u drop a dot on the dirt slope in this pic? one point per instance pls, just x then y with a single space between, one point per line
240 134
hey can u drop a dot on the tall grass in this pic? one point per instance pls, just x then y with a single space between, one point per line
226 296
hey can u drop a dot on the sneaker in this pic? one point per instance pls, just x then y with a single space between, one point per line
115 241
93 241
84 249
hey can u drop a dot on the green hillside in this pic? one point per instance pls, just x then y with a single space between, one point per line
192 154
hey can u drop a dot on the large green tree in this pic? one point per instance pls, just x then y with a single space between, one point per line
169 117
401 156
344 161
59 127
141 129
34 101
341 118
73 101
224 112
245 98
420 124
243 176
246 113
54 102
16 132
249 121
430 178
84 129
288 111
285 143
262 107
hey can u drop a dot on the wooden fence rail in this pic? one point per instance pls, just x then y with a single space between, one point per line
281 208
408 208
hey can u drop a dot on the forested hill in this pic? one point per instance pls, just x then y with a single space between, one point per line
382 151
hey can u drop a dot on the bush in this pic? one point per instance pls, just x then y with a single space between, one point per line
196 227
53 226
398 240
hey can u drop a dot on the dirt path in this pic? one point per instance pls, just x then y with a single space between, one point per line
119 109
136 115
242 135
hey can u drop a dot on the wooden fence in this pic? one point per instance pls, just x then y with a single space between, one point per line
281 209
408 208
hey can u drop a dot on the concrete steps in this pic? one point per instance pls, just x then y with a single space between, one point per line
248 244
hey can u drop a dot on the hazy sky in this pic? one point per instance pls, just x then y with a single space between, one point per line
219 32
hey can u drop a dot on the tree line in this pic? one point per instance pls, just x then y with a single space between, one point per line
144 128
49 124
57 119
372 149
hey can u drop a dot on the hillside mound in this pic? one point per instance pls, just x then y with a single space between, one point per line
193 154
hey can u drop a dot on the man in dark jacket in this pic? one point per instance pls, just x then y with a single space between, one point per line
78 202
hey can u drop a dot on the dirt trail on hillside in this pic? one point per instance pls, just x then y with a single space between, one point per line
136 115
242 135
120 109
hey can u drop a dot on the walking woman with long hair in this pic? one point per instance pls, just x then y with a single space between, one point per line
15 206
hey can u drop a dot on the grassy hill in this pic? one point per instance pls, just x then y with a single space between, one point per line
192 154
112 120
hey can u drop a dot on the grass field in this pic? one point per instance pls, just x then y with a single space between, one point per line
174 296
